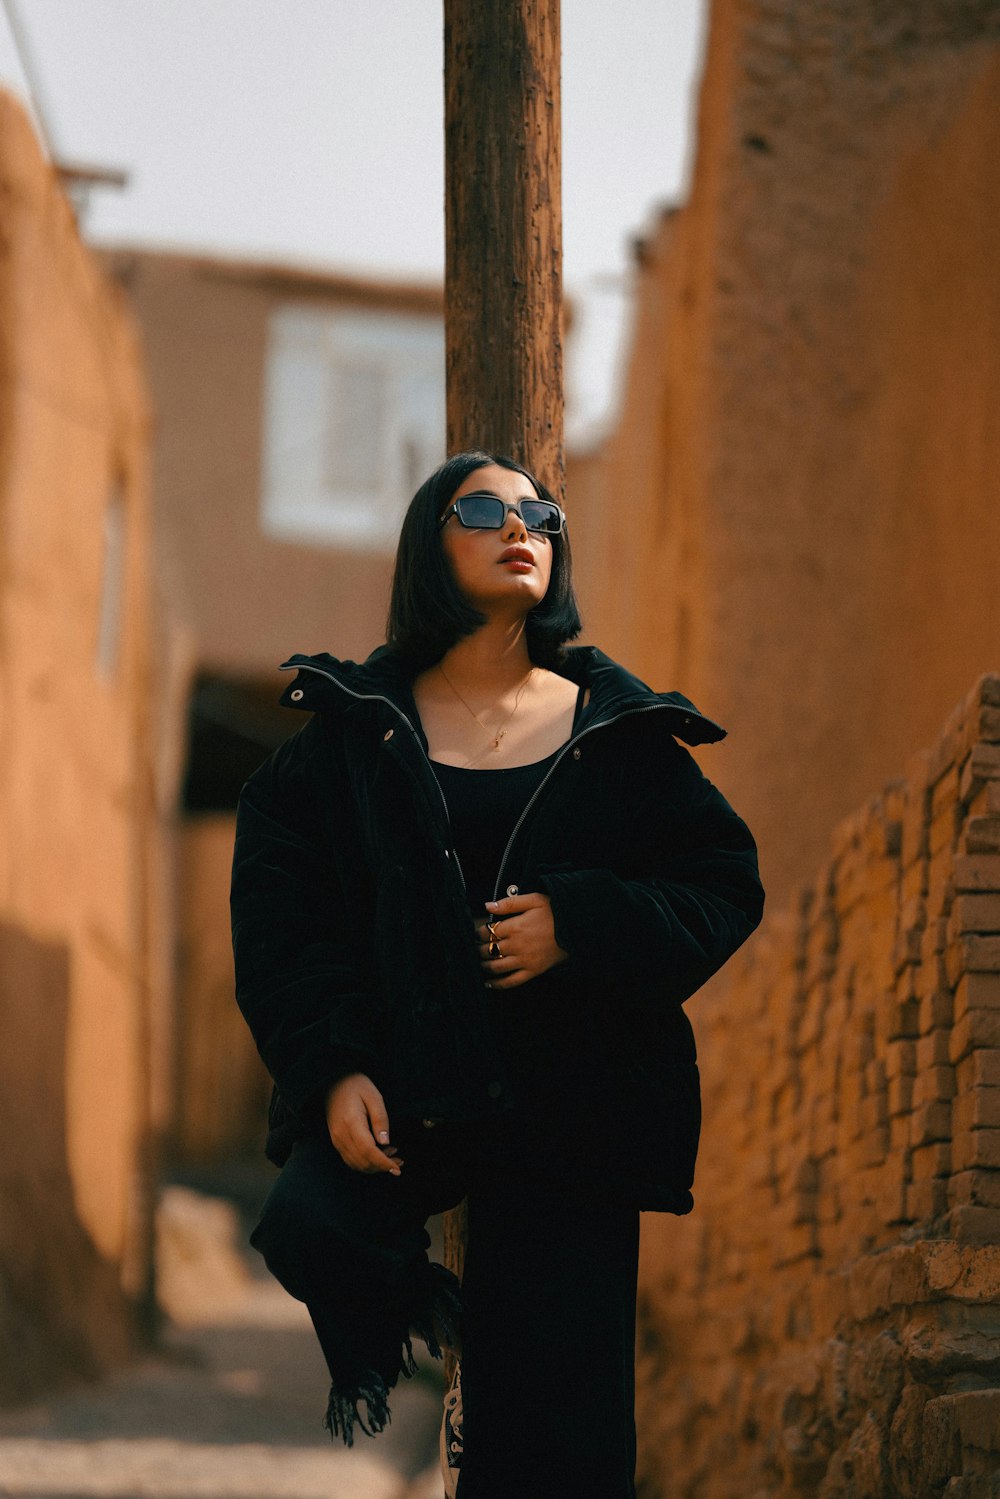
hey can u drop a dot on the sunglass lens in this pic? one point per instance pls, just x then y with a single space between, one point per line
539 515
481 511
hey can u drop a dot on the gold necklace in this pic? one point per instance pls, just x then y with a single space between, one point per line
497 735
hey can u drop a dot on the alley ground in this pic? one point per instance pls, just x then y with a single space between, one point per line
231 1405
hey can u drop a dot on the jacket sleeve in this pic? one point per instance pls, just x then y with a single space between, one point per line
299 978
673 927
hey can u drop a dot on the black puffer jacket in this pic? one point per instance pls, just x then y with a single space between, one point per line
354 949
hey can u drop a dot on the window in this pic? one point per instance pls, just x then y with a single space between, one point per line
354 420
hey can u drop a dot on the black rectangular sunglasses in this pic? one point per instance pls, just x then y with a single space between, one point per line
487 512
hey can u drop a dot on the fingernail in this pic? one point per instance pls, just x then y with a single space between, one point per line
491 905
395 1171
383 1135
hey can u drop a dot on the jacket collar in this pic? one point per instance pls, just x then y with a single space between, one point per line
324 683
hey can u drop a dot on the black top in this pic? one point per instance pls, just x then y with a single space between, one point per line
484 806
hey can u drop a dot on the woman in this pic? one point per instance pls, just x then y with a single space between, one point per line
469 898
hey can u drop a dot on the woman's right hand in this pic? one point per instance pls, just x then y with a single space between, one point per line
359 1125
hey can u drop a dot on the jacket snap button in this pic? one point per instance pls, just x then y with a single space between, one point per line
428 1123
388 733
494 1090
297 695
576 754
511 890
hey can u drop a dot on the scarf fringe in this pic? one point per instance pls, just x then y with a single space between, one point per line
440 1321
342 1413
437 1322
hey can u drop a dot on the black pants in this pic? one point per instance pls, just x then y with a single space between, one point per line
547 1302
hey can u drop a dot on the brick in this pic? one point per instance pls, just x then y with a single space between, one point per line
941 882
977 991
975 1225
974 913
973 1148
977 872
930 1122
983 952
901 1058
903 1021
928 1161
936 1010
874 1144
932 1085
986 802
980 1069
972 953
932 1050
982 764
975 1188
981 835
873 1113
944 792
974 1029
926 1200
875 1076
891 1201
977 1109
970 1275
899 1099
914 881
942 838
937 937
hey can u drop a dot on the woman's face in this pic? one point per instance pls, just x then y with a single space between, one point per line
490 580
498 571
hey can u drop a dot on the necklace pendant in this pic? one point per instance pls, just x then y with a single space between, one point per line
496 742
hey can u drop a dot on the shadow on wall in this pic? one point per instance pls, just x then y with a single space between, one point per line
62 1316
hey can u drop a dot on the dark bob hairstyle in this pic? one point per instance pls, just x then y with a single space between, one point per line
427 613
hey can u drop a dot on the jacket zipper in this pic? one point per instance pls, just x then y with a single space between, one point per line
381 698
650 708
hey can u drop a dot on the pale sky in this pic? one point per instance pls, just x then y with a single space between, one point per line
312 130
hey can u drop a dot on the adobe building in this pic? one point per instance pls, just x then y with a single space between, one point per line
800 510
806 464
81 1004
296 412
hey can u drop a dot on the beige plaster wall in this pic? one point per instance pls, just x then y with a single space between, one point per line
75 801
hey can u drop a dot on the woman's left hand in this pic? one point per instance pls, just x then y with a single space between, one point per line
526 934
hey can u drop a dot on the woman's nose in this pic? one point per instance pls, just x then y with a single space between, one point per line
514 525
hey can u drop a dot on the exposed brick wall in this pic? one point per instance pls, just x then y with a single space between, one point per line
827 1322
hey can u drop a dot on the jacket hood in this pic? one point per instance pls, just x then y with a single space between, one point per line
325 683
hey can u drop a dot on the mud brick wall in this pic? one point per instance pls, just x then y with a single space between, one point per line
827 1321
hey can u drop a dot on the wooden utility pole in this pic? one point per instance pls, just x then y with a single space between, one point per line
503 253
503 232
